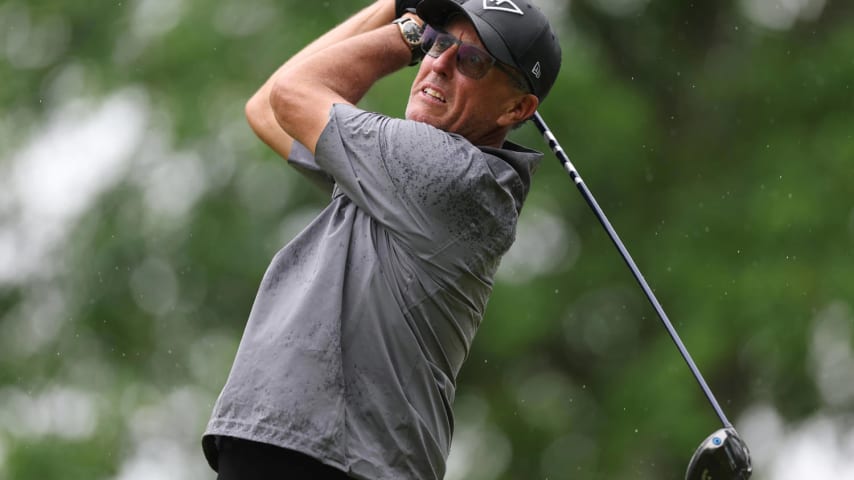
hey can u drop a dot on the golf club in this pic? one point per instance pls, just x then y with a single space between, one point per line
723 455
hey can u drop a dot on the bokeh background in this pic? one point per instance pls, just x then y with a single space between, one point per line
138 213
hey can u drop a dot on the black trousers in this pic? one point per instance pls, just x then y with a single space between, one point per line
245 460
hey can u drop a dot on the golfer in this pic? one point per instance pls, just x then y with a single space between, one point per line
348 363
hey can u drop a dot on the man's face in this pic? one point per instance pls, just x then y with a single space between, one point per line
449 100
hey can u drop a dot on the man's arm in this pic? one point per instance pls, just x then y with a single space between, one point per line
259 110
305 90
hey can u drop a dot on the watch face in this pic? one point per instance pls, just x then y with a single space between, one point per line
412 33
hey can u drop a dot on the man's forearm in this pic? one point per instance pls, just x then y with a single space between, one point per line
305 89
348 69
369 18
258 110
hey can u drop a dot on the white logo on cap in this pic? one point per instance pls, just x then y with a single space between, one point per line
503 6
537 70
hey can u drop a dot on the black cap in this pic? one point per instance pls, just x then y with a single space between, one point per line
515 32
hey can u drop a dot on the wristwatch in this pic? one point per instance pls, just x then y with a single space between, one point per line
411 32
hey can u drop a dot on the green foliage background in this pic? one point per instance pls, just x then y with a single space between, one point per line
721 146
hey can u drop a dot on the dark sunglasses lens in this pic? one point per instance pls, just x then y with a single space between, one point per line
473 61
428 38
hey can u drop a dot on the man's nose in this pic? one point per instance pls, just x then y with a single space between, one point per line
446 61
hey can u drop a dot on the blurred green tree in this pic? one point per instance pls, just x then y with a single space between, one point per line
138 212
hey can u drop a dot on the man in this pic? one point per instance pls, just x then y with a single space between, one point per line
348 363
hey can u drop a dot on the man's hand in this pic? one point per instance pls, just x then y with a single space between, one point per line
403 6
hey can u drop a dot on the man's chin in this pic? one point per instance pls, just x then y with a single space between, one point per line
419 115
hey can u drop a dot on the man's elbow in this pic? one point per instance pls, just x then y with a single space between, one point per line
300 107
257 111
283 101
261 114
262 121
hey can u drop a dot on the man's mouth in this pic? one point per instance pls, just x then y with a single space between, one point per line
434 94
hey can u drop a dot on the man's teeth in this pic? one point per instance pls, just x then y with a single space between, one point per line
434 94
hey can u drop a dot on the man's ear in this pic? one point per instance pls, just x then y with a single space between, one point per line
520 110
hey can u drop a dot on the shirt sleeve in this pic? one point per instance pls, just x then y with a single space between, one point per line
431 188
302 160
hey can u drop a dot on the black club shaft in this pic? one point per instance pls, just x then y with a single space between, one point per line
588 197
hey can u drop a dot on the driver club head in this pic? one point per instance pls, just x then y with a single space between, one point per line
721 456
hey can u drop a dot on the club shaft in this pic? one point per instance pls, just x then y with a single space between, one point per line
588 197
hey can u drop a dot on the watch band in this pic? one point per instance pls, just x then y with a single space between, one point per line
411 32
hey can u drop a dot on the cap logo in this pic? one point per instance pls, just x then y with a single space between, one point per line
537 70
503 6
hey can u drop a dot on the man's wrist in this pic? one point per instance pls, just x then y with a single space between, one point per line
411 29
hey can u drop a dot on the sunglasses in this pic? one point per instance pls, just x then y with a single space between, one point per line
472 61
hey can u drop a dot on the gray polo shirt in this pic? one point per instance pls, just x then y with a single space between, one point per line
362 321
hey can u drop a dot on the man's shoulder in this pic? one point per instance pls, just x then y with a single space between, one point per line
346 114
430 147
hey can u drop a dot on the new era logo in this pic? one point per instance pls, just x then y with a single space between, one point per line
503 6
537 70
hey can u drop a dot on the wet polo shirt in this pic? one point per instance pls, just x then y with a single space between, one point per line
362 322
